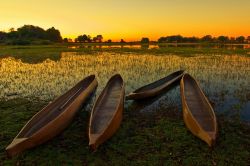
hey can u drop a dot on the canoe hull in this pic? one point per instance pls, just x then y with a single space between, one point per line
192 124
195 129
155 91
111 129
97 139
54 127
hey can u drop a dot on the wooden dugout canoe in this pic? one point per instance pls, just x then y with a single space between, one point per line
156 87
53 118
106 115
198 113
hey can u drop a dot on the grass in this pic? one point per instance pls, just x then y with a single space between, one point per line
36 54
156 138
144 138
50 78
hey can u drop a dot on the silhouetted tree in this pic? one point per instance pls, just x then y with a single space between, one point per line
178 39
99 38
89 38
122 41
145 40
65 40
223 39
240 39
54 35
94 39
80 39
28 34
3 36
162 40
248 39
13 35
11 29
31 32
84 38
109 41
207 38
190 39
70 40
175 39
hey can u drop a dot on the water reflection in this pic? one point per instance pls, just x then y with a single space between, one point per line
225 79
160 45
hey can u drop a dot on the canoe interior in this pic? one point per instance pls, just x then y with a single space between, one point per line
198 105
55 108
106 107
159 82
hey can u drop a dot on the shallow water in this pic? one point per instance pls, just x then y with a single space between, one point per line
224 79
157 46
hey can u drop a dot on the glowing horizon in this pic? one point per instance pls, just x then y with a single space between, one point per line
130 20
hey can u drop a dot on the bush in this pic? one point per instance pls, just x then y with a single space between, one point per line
18 42
41 42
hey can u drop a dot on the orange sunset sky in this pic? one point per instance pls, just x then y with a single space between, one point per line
130 19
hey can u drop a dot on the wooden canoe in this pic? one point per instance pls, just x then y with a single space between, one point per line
106 115
156 87
53 118
198 113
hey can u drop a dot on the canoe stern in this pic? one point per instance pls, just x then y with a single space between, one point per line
196 129
97 139
17 146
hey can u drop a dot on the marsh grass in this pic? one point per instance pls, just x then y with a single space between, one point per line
50 79
152 134
36 54
153 138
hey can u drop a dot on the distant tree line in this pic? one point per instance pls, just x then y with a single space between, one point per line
29 34
88 39
204 39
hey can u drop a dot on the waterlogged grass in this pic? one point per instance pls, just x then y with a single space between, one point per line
155 138
149 135
50 79
225 78
35 54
